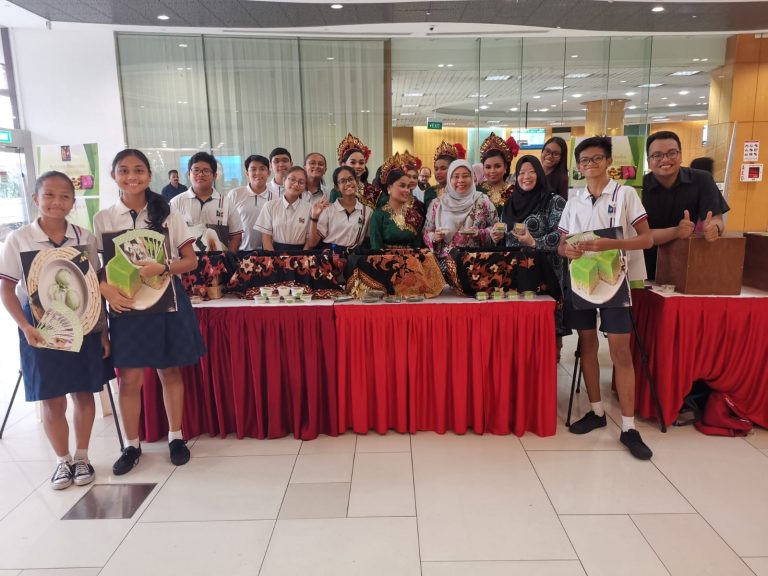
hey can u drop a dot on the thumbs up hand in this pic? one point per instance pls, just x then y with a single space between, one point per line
685 227
711 230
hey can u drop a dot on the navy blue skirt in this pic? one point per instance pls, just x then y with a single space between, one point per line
161 340
53 373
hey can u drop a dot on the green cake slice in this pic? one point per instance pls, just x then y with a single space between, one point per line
124 275
608 266
584 274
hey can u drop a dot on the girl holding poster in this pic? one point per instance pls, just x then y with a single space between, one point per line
147 333
56 357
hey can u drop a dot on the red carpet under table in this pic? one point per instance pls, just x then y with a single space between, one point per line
722 340
309 370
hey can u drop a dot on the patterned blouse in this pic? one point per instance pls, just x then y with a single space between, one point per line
483 216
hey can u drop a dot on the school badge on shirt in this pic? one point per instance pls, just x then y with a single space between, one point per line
302 220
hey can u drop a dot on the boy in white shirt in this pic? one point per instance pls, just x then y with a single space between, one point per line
605 204
249 200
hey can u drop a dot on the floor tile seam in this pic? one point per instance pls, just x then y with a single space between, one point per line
282 501
619 449
382 451
761 450
351 476
158 487
207 521
628 514
244 455
645 538
415 503
702 516
497 561
554 510
710 526
35 488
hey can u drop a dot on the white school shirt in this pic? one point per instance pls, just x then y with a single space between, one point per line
286 223
312 198
581 215
30 238
217 210
336 226
276 188
118 217
249 205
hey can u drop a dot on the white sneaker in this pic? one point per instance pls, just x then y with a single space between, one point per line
62 477
83 472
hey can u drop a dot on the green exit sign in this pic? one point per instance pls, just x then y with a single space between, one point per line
5 137
434 124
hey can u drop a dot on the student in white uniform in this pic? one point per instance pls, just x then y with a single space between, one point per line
49 375
281 161
284 221
203 206
315 166
343 224
605 204
164 341
250 200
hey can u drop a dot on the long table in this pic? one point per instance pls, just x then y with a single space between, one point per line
321 368
722 340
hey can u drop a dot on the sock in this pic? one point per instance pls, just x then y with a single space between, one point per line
66 458
81 454
597 408
627 423
175 436
134 442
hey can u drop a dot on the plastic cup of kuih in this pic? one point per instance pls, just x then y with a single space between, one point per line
297 291
265 292
284 291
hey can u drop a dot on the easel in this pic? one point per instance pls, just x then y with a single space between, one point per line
111 402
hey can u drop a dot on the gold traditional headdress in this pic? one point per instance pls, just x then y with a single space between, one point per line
446 149
392 163
409 161
352 143
493 142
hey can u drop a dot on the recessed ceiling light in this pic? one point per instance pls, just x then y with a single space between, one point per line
449 65
476 95
702 97
657 9
490 103
685 73
650 85
683 92
536 97
483 107
622 81
410 106
574 55
696 59
337 6
659 118
631 107
182 45
705 59
497 77
664 98
513 109
180 69
163 17
413 94
629 93
577 75
553 88
671 104
544 110
553 105
407 113
330 58
576 95
697 115
492 121
441 65
476 110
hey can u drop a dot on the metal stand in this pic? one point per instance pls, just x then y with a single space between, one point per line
575 381
648 374
111 402
10 404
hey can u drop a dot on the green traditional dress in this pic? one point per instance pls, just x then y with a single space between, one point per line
498 194
391 229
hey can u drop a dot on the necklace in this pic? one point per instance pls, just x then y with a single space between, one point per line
497 193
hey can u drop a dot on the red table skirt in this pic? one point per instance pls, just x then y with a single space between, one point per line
266 375
721 340
490 367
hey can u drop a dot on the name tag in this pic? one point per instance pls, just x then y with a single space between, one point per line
611 207
219 214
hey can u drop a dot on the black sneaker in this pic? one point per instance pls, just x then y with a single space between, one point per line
128 459
179 452
588 422
631 439
62 476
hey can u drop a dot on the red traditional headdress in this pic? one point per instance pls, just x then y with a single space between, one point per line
409 161
446 149
352 143
493 142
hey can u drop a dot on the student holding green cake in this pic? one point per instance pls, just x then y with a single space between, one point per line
160 340
605 204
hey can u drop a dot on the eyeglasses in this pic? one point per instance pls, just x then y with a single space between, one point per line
201 172
594 160
345 181
658 156
301 182
553 153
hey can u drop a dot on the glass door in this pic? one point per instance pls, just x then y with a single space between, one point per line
13 204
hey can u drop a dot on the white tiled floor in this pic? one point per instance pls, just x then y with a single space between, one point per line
399 505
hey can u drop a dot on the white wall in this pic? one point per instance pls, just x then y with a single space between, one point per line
68 92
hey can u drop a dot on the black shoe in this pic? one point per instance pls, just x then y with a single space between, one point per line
179 452
128 459
631 439
588 422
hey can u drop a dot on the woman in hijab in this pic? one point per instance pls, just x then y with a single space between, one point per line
532 214
462 217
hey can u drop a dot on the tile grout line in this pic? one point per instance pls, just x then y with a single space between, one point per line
549 499
351 476
277 516
415 505
655 553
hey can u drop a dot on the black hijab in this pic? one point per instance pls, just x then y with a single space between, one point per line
521 204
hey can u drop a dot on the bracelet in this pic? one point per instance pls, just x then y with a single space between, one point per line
167 268
314 219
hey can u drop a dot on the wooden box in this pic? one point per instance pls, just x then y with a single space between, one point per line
756 261
696 266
